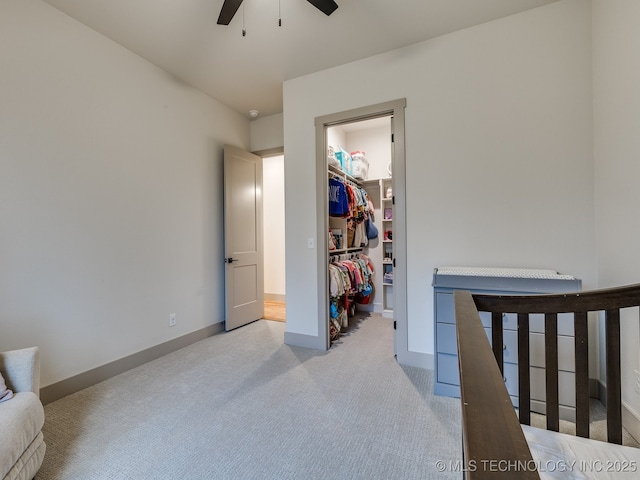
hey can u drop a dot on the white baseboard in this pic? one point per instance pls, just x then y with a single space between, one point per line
275 297
306 341
416 359
630 418
631 421
65 387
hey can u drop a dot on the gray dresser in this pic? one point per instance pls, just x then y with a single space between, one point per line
515 281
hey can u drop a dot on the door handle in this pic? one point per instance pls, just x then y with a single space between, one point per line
230 260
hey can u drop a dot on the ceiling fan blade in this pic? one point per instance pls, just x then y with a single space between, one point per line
325 6
229 9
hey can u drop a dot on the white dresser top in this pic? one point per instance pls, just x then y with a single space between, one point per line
503 272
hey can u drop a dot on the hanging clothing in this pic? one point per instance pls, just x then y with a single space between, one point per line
338 199
360 237
350 279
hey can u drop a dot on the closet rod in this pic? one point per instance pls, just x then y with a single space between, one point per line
345 180
342 175
344 256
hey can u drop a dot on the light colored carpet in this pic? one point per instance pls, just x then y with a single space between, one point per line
242 405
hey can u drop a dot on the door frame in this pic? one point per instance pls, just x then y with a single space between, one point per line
394 108
264 154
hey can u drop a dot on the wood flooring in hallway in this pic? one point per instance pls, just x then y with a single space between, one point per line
274 311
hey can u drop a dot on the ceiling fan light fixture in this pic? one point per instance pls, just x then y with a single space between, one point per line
325 6
230 7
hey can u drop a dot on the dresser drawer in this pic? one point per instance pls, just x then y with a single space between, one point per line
566 349
566 384
447 371
445 311
446 340
565 323
510 376
509 320
536 322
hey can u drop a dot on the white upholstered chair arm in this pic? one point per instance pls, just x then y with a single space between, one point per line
21 369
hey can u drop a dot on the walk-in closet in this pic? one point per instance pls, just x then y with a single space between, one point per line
361 207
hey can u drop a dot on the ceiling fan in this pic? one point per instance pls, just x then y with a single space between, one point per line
230 7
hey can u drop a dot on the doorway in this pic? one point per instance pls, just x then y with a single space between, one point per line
395 110
273 232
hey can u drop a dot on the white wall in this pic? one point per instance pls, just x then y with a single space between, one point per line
376 143
616 76
274 246
110 195
266 132
498 153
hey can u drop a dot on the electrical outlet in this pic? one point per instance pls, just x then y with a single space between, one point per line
637 381
172 320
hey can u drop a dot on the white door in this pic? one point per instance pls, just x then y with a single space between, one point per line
244 276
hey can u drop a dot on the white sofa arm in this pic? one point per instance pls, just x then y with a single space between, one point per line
21 369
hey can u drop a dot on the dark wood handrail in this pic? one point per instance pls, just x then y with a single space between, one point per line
589 301
491 432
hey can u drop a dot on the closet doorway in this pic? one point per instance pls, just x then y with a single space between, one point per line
386 184
273 231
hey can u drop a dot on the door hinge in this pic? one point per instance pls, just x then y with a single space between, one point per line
393 200
392 138
394 325
394 263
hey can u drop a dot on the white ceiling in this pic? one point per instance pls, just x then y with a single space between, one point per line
182 37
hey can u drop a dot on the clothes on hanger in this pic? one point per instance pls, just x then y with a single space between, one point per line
349 275
351 201
338 198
